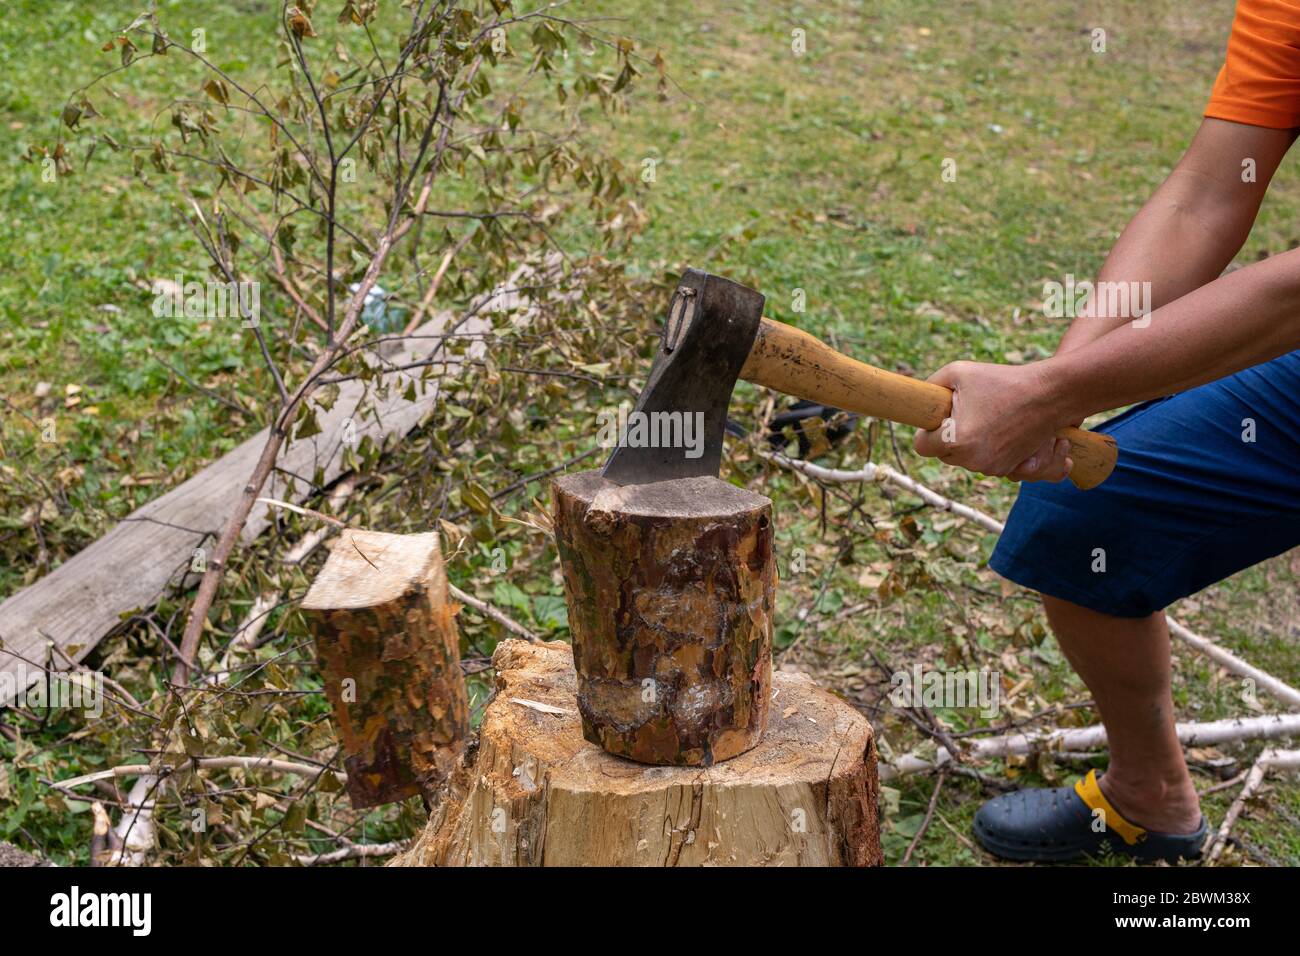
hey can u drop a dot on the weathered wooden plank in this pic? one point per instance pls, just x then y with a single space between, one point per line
86 598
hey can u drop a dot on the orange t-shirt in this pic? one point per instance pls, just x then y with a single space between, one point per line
1260 81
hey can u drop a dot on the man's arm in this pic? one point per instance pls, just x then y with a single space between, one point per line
1179 241
1191 227
1004 413
1245 318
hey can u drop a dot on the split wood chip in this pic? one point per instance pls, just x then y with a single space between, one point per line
540 707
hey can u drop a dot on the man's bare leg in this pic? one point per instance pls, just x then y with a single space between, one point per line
1125 663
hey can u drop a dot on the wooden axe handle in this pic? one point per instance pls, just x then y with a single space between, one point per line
792 361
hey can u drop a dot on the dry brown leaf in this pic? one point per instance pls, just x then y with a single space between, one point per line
299 23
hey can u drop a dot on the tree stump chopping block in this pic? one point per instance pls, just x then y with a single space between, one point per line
670 594
535 793
389 651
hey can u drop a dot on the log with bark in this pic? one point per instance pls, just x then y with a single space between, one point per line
535 793
670 593
386 636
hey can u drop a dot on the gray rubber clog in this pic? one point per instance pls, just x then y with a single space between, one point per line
1061 824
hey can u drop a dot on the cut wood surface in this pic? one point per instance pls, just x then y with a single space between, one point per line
535 793
89 595
670 593
385 631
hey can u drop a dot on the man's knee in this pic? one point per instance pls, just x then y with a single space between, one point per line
1068 612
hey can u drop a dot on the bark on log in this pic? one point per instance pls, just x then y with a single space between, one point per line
389 650
670 594
535 793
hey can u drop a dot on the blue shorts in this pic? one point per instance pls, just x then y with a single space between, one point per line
1193 499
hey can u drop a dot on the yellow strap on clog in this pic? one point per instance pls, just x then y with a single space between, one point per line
1089 791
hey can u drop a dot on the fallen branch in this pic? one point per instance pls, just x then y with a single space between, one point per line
1279 689
1075 739
1268 760
1224 784
201 763
929 815
884 474
489 611
78 667
353 851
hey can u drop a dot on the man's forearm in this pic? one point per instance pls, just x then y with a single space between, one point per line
1242 319
1168 249
1190 229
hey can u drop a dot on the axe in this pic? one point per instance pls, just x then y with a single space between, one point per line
715 333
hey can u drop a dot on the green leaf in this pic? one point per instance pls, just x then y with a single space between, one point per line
550 611
307 424
509 595
476 498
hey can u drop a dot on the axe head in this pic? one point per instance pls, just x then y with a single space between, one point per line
710 328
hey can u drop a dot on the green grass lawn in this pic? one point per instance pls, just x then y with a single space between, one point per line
815 177
78 255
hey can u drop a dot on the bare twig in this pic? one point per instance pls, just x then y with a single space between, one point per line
929 815
201 763
488 610
1268 760
353 851
436 281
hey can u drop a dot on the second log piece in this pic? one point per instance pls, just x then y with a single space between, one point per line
670 594
389 650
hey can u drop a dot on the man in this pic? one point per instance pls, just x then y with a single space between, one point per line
1208 480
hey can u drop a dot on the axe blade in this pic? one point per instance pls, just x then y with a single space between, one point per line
707 335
